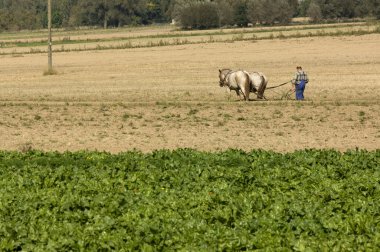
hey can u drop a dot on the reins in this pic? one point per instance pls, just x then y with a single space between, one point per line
279 85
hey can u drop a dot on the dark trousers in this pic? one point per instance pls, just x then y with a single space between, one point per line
300 88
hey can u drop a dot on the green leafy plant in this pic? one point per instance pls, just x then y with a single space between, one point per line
311 200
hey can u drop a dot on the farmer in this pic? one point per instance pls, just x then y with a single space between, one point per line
300 80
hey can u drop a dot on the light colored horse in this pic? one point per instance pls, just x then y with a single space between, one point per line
258 83
239 81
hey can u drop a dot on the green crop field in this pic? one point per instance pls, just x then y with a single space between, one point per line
312 200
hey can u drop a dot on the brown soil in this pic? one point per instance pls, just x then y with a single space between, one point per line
168 97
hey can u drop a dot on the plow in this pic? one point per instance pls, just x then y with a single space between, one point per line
283 95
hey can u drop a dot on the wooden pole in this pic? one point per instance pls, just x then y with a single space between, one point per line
105 23
50 60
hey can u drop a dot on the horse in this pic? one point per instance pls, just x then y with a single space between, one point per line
258 82
239 81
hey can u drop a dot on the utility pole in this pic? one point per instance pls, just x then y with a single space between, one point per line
50 60
105 21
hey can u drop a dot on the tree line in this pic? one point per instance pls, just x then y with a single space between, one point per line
32 14
194 14
206 14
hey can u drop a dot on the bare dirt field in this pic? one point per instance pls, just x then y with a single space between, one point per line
168 97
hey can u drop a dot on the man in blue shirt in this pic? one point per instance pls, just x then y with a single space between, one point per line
299 81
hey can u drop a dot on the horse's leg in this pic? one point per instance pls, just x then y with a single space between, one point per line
229 93
242 92
247 95
261 88
238 91
246 90
260 92
265 83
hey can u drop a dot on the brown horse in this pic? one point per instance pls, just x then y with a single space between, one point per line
239 81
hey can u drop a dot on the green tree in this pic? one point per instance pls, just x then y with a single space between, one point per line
257 11
284 11
31 14
331 9
314 12
241 13
363 8
110 12
158 10
376 8
200 15
208 16
347 8
303 7
22 14
226 12
269 11
89 13
294 4
4 16
61 12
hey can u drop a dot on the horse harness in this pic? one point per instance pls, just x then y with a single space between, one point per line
224 81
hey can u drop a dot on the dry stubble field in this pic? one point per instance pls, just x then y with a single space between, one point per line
168 97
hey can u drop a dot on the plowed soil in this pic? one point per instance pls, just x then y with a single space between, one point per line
169 97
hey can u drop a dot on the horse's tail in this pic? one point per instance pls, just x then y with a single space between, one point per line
252 87
263 85
248 85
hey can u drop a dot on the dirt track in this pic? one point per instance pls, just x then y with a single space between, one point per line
168 97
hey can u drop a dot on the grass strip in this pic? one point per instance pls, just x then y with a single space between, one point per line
67 41
211 39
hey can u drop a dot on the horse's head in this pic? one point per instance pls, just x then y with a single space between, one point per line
223 77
